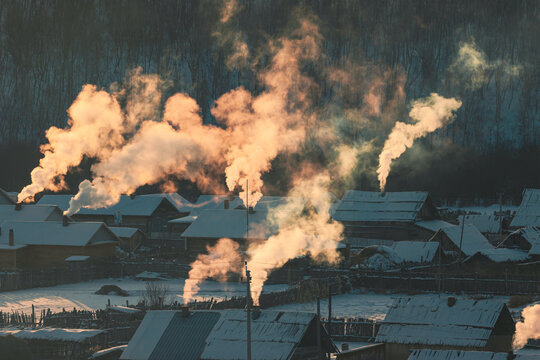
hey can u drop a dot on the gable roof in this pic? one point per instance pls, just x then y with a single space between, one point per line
6 198
216 202
30 212
433 225
231 224
416 251
429 354
484 223
528 213
500 255
55 233
177 200
123 232
217 335
367 206
473 240
430 320
142 205
530 234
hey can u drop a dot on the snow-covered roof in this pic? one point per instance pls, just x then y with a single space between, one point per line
366 206
473 240
216 202
231 224
530 234
501 255
441 321
432 225
217 335
123 309
430 354
415 251
181 204
528 213
106 352
123 232
142 205
6 198
55 233
484 223
30 212
53 334
184 220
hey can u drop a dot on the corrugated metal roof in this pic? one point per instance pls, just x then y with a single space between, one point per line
415 251
473 240
428 354
142 205
430 320
30 213
528 213
365 206
484 223
274 335
54 233
192 331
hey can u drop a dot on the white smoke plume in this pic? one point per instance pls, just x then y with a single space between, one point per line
229 38
472 67
430 114
529 328
221 259
314 233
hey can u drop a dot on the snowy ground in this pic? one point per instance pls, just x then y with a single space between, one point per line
364 305
81 295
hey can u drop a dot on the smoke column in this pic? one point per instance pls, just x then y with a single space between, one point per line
529 328
314 233
221 259
430 114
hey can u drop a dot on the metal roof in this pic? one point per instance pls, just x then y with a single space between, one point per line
434 321
528 213
6 198
30 212
501 255
366 206
416 251
473 240
433 225
429 354
142 205
123 232
55 233
484 223
216 335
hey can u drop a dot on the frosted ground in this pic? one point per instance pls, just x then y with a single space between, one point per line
81 295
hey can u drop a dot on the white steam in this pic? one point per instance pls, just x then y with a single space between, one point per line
430 114
529 328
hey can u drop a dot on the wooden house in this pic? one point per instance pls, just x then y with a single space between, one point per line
461 241
42 244
430 322
385 216
221 335
129 238
528 213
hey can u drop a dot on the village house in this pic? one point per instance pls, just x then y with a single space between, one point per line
528 213
57 344
221 335
461 241
42 244
129 238
30 212
430 322
149 213
370 217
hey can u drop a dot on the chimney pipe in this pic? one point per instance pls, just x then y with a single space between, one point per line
226 204
11 238
132 196
255 312
18 206
65 220
185 311
250 210
231 197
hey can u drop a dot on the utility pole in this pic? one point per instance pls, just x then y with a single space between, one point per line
329 309
319 347
248 311
500 214
247 210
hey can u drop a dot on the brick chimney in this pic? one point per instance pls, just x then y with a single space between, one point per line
226 204
11 238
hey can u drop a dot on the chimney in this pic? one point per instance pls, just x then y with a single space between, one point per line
255 313
250 210
132 196
18 206
451 301
65 220
226 204
231 197
11 238
185 311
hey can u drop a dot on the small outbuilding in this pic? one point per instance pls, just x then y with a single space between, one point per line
461 241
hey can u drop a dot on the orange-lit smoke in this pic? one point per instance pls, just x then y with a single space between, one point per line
314 233
430 114
529 328
221 259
